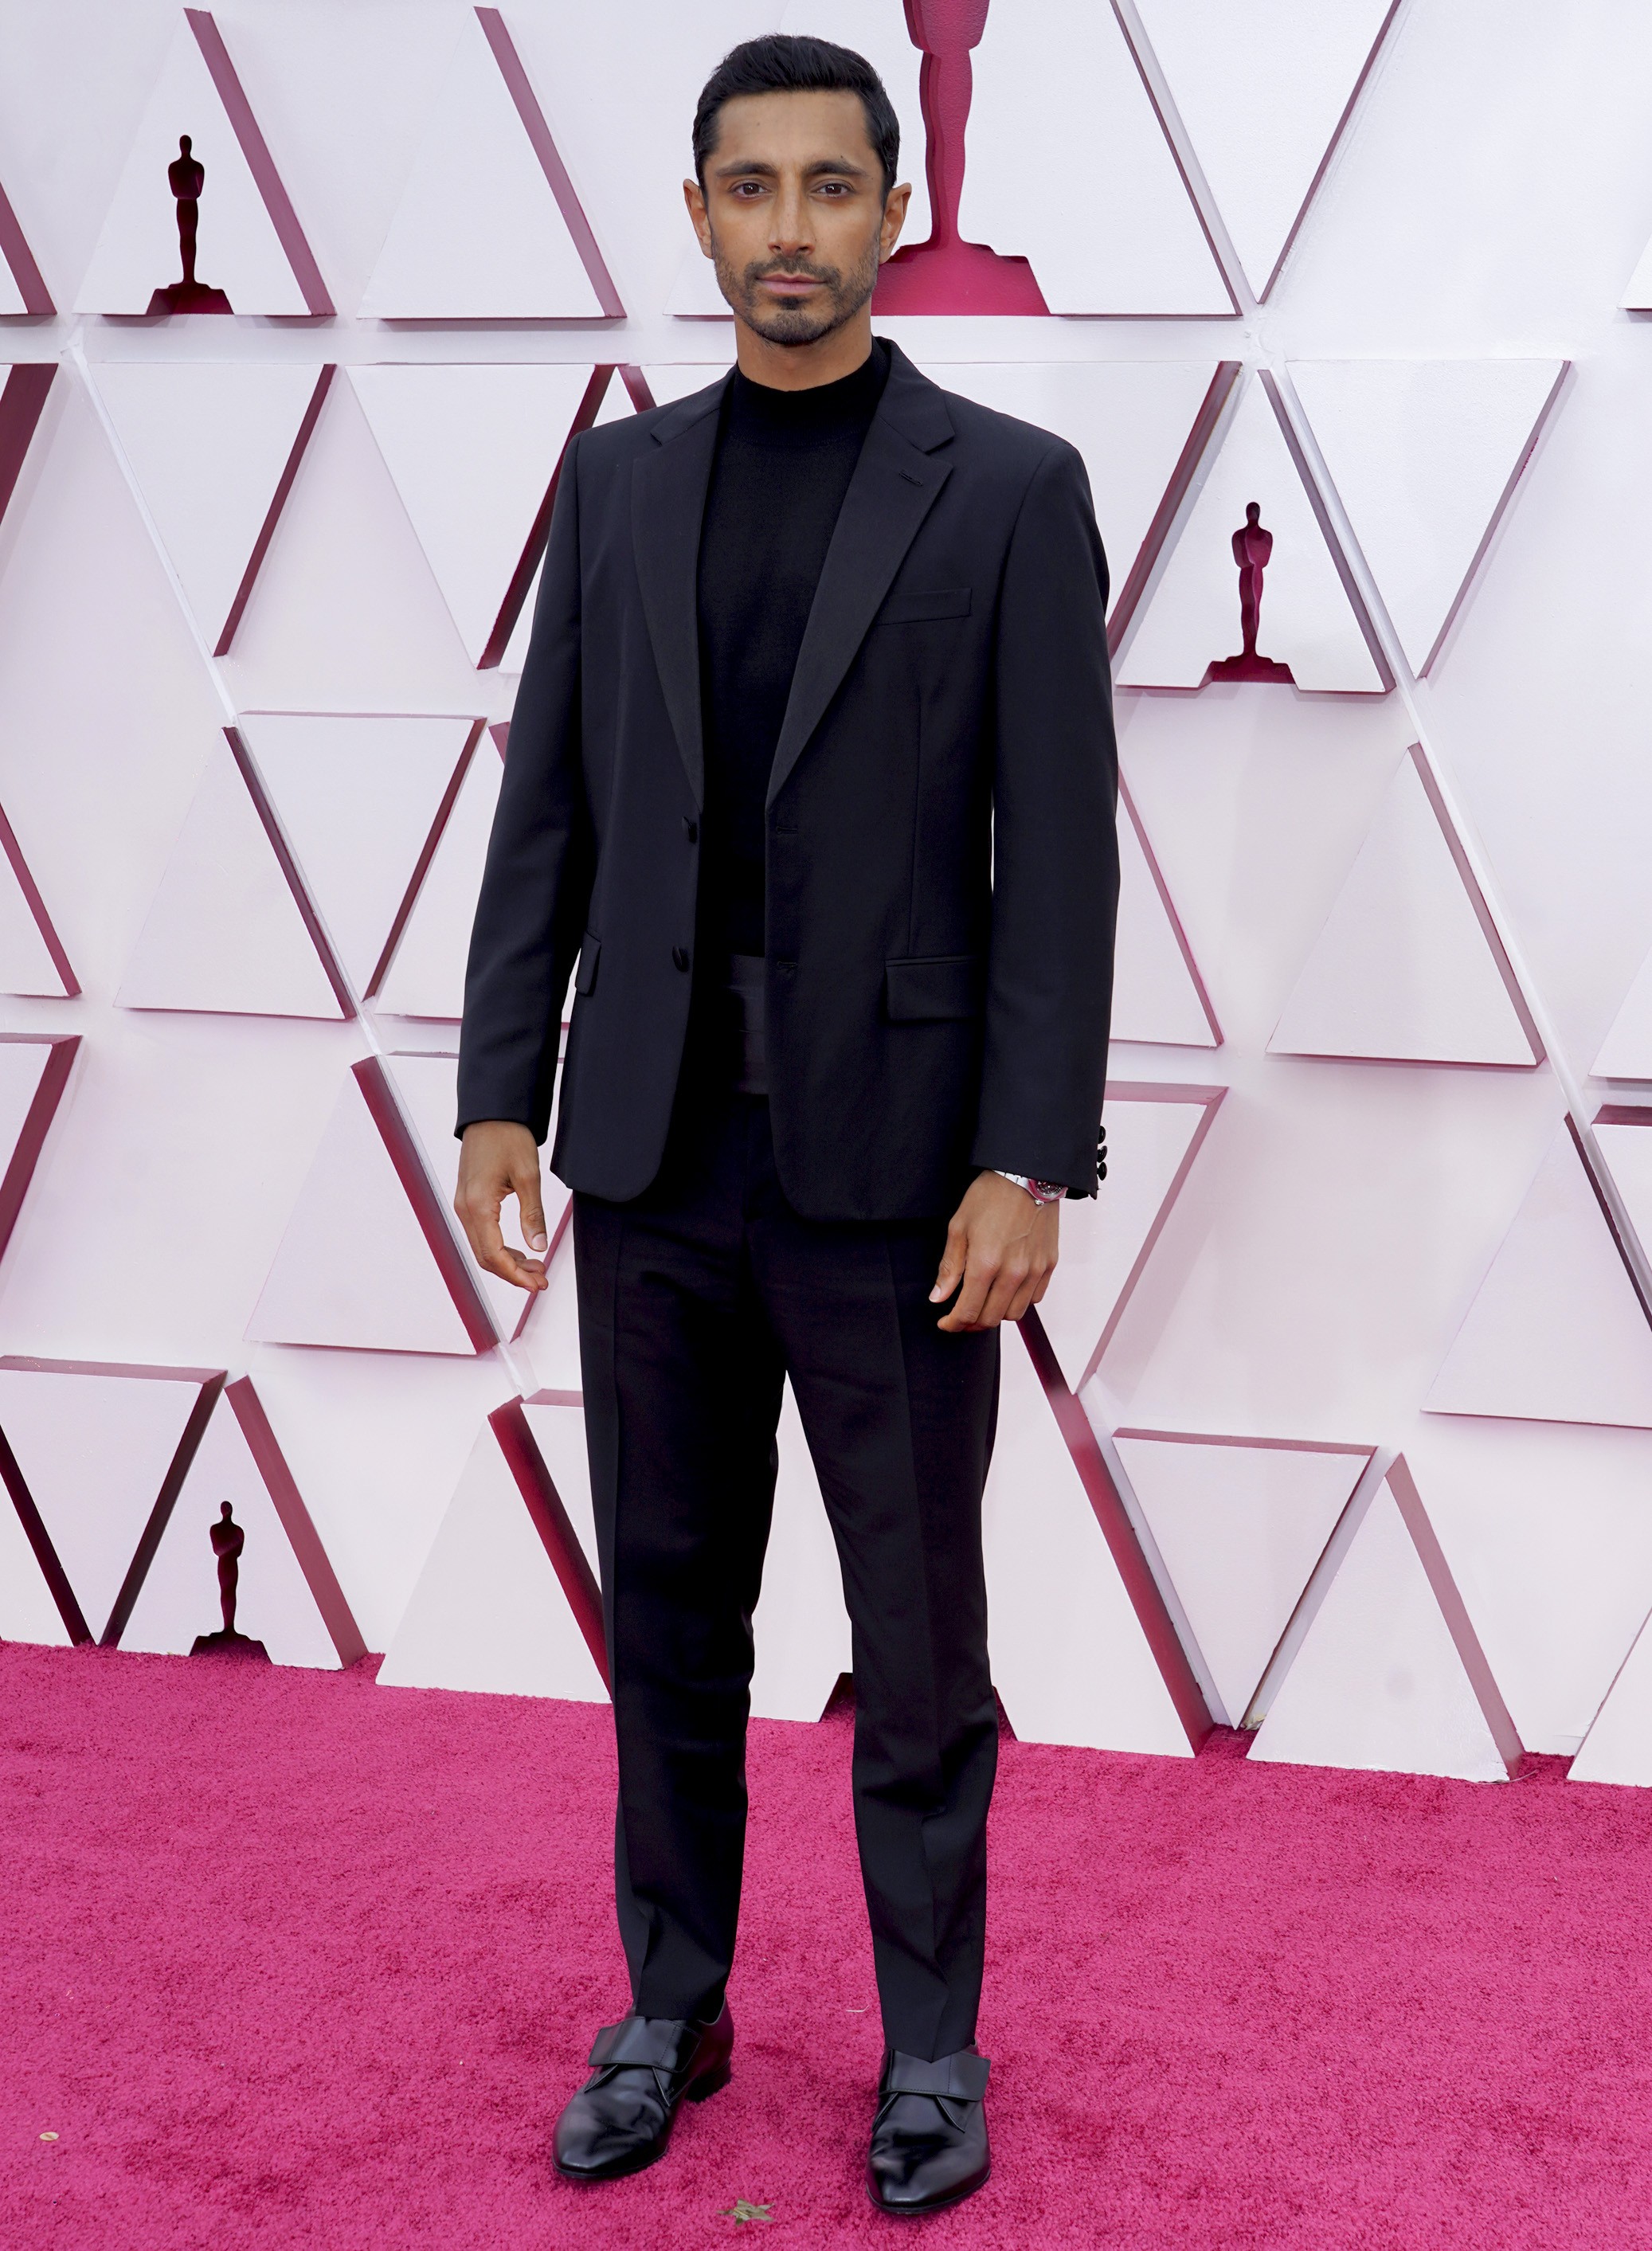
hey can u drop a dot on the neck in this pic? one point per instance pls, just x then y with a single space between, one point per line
804 367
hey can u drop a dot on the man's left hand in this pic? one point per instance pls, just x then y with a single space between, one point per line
1002 1247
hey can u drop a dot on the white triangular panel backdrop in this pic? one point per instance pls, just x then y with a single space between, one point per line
238 249
1240 1528
1424 456
427 974
488 1611
225 932
1069 1656
1261 91
179 1597
354 1267
357 797
478 234
1556 1333
1064 81
1403 970
1378 1681
208 443
94 1450
1190 619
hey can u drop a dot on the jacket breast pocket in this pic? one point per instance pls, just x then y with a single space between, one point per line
916 605
939 989
590 955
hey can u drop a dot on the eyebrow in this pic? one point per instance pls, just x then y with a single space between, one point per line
747 164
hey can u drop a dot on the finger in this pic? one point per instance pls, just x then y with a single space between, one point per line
1007 1285
979 1277
530 1206
951 1267
479 1218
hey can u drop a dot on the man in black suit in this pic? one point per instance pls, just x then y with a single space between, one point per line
811 790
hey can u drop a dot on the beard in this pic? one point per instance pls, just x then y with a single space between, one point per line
845 292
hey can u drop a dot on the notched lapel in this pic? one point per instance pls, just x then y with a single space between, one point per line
894 487
668 488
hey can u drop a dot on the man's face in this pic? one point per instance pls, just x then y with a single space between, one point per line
793 212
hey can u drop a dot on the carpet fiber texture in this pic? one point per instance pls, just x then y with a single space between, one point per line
290 1960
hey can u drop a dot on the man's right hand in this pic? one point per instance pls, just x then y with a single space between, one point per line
497 1158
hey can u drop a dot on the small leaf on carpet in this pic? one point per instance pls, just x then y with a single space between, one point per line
741 2211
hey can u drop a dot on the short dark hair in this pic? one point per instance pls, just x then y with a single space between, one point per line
782 63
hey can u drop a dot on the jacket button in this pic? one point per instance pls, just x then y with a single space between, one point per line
691 830
680 956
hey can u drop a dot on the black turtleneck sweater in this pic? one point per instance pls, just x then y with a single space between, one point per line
783 465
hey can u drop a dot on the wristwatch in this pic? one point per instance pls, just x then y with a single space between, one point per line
1040 1191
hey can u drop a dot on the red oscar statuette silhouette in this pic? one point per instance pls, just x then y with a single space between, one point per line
1253 547
228 1539
186 177
947 274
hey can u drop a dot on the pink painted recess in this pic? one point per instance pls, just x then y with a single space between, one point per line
14 248
277 502
947 274
296 1522
43 1108
22 403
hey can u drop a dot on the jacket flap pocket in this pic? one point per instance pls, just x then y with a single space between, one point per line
589 954
922 992
912 605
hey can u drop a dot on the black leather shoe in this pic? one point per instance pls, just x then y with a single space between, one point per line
928 2139
621 2118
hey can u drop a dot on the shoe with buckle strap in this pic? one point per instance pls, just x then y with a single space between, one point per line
643 2069
928 2139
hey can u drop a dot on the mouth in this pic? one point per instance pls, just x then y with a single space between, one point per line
788 284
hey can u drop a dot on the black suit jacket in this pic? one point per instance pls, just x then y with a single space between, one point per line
942 868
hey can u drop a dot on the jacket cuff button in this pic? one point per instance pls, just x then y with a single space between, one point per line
691 830
680 956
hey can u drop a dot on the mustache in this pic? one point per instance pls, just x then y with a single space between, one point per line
793 269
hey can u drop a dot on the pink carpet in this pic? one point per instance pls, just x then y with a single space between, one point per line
291 1960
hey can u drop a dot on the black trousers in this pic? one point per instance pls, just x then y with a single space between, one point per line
695 1301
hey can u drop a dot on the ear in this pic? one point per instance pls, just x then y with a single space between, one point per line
894 219
699 217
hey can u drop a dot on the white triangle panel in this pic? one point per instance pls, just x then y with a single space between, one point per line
1191 619
214 446
1153 1135
1158 995
479 233
471 450
618 405
225 932
358 799
1424 455
428 1088
1627 1050
27 1611
1618 1747
1063 80
550 1334
427 974
179 1597
1637 290
355 1267
1132 420
1378 1682
94 1448
801 1626
1264 92
1407 968
239 247
1069 1656
1556 1333
488 1612
1240 1525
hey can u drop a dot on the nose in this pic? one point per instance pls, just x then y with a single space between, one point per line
790 232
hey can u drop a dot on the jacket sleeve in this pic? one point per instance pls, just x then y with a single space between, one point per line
1049 980
536 886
